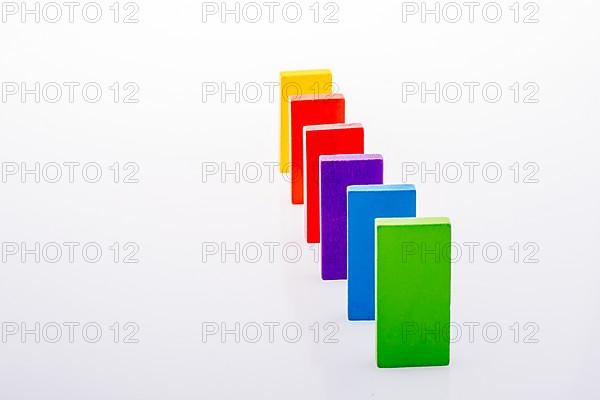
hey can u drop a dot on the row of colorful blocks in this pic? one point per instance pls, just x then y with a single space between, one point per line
397 265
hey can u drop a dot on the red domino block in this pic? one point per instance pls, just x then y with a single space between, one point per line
322 140
305 111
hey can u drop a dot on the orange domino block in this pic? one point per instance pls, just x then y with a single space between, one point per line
305 111
294 84
322 140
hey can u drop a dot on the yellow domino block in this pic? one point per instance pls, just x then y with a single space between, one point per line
294 84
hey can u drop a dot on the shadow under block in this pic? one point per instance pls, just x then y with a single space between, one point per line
304 111
322 140
337 173
294 84
365 203
412 267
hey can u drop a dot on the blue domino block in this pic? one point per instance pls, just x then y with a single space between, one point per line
365 203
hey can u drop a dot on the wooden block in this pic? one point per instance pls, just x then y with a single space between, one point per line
365 203
337 173
293 84
305 111
412 267
323 140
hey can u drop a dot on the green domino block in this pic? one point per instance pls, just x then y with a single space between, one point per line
412 290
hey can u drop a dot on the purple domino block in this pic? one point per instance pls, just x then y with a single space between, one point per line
337 173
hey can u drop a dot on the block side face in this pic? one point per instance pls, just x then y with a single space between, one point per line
361 241
413 295
297 83
335 178
305 83
363 208
318 143
306 113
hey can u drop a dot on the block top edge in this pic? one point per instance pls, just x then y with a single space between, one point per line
305 72
350 157
313 97
411 221
328 127
404 187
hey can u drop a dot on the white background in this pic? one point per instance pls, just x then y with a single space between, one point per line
171 134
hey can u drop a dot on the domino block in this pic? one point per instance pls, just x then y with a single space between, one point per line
337 173
412 268
324 140
365 203
310 110
294 84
